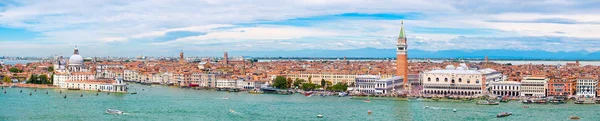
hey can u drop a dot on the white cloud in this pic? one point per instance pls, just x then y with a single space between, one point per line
75 22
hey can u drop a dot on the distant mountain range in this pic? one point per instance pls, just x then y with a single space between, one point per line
391 53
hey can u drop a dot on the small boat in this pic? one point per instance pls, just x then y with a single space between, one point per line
319 116
525 106
255 92
81 95
504 114
454 110
308 93
73 89
574 118
46 92
29 93
65 96
225 98
487 102
5 91
35 90
59 91
425 107
527 101
21 91
369 112
133 93
113 111
367 101
231 110
96 93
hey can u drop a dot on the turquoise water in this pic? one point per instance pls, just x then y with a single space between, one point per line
167 103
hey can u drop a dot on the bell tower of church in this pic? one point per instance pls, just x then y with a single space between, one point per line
401 56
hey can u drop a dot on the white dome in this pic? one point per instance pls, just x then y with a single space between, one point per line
460 68
450 67
76 60
464 66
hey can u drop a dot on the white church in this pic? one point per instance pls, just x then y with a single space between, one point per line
74 75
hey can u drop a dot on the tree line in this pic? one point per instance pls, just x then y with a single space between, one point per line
282 83
40 79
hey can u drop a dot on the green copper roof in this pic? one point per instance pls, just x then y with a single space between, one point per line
402 34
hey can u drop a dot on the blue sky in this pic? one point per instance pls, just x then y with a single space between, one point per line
205 27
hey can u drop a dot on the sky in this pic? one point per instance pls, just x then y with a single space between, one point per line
205 27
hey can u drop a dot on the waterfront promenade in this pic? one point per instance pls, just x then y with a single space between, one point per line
167 103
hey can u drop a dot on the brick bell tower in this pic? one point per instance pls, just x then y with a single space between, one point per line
401 57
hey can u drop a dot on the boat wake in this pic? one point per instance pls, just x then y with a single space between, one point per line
235 112
434 108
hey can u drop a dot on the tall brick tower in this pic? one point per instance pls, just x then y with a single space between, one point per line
225 58
401 57
181 58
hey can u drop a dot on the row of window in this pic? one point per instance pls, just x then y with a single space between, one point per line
446 80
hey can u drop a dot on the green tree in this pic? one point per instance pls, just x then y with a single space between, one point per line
280 82
51 69
297 82
32 79
14 70
339 87
51 81
42 79
309 86
323 83
6 79
289 82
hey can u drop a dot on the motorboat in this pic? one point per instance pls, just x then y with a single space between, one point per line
504 114
574 118
319 116
255 92
369 112
454 110
487 102
308 93
113 111
527 101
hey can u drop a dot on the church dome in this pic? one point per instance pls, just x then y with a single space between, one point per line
450 67
75 60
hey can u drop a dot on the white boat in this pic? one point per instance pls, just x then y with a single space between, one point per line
113 111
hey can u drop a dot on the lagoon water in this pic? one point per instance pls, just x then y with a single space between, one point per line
168 103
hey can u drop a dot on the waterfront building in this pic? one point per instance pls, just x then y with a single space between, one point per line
456 80
534 86
586 87
227 83
401 56
373 84
560 87
76 75
203 79
506 88
414 79
335 78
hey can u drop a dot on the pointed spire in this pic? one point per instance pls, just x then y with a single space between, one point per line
402 34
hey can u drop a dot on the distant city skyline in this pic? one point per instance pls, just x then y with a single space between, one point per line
553 28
